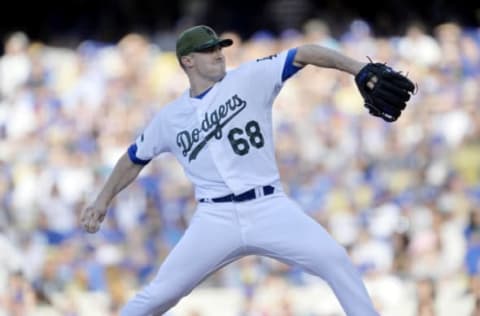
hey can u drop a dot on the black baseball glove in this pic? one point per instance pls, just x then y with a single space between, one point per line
384 90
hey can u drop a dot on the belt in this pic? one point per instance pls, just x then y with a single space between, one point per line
245 196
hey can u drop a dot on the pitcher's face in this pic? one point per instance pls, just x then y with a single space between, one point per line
209 63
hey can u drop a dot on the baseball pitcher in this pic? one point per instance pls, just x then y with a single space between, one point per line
220 130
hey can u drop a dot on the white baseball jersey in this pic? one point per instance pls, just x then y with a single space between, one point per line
223 139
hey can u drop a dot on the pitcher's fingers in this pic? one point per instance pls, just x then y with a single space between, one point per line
86 213
89 221
92 226
84 220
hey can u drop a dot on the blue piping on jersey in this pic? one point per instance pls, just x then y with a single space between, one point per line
132 154
204 93
289 69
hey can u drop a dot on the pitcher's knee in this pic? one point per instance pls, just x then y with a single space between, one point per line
338 257
153 299
164 297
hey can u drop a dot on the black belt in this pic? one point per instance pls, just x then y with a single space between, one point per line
245 196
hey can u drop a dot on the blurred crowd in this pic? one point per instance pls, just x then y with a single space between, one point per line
403 198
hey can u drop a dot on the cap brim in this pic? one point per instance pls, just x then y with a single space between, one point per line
222 43
226 42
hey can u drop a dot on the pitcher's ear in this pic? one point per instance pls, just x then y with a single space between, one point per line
186 61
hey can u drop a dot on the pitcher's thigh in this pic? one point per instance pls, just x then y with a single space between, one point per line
284 232
208 244
287 233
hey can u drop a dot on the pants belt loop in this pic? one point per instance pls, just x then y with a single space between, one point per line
258 192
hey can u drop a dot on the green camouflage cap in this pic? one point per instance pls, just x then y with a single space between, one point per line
198 38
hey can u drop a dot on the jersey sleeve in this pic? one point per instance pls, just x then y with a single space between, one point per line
289 69
274 69
150 143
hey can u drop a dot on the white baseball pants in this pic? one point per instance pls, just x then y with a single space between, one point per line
272 226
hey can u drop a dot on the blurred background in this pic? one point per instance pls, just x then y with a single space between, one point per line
80 79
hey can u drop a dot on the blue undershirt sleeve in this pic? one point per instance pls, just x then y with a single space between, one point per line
289 69
132 154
